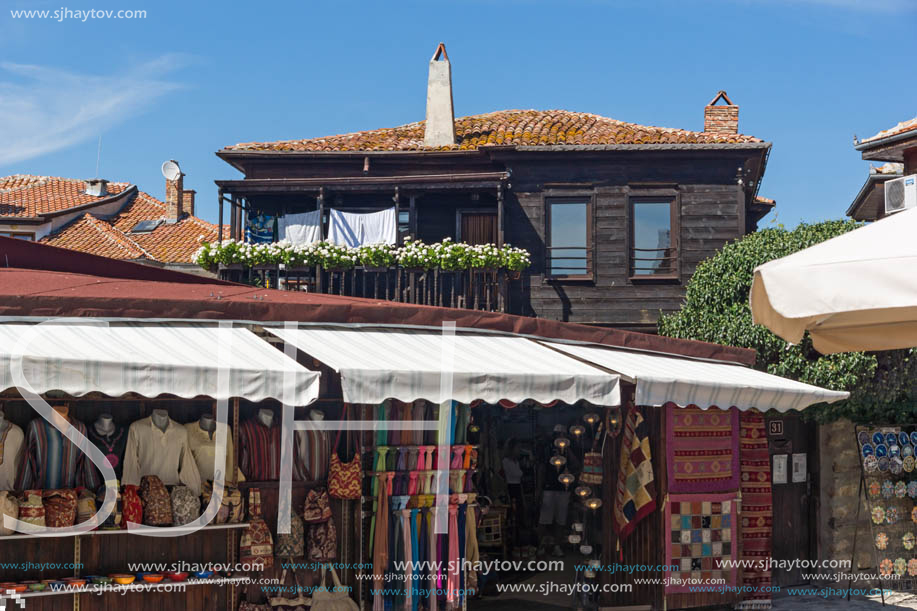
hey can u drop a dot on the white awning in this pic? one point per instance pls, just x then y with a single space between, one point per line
661 379
408 364
79 357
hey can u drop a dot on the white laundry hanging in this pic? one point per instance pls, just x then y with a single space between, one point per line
353 229
302 228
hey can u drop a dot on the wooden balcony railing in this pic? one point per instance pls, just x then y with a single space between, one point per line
477 289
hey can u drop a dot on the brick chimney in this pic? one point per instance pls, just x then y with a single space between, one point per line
187 201
175 198
439 128
722 119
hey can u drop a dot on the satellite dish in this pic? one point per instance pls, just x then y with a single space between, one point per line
170 170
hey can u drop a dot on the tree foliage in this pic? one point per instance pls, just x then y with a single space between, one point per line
883 385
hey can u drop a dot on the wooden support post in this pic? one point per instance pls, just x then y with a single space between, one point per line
500 215
397 200
220 203
319 274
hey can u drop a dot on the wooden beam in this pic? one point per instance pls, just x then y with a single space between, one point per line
220 200
500 215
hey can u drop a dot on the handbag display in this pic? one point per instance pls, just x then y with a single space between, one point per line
344 478
257 545
323 542
592 469
336 599
317 508
60 508
157 505
31 509
186 507
132 507
231 509
9 506
296 602
292 544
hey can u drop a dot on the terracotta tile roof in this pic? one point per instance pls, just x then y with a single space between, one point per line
904 126
112 237
505 127
25 195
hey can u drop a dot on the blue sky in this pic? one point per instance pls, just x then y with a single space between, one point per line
191 78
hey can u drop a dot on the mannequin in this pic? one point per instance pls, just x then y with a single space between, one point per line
105 425
317 415
160 419
313 451
11 449
2 420
52 460
62 410
209 424
266 417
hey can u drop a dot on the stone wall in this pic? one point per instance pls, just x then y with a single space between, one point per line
839 480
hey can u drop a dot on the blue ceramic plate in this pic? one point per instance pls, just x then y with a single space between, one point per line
891 439
878 438
883 464
903 439
894 450
867 450
863 438
907 450
914 438
881 450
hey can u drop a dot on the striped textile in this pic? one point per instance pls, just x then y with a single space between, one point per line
686 382
703 449
408 364
313 449
151 360
757 507
53 462
259 451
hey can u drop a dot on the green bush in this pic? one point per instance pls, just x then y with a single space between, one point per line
883 385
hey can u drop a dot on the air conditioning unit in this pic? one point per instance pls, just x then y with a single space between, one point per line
901 194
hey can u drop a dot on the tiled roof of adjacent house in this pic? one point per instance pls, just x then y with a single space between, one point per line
505 127
904 126
25 195
169 242
112 236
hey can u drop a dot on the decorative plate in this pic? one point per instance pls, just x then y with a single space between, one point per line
881 450
914 438
914 515
888 489
881 540
895 465
891 439
867 450
878 438
891 515
912 489
874 488
912 567
900 490
909 463
894 450
908 540
907 450
903 439
878 514
883 464
885 567
863 438
900 566
871 464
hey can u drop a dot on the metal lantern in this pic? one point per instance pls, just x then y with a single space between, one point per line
577 430
562 443
558 461
591 418
583 492
593 503
566 478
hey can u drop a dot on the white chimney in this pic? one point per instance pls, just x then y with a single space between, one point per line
97 187
439 129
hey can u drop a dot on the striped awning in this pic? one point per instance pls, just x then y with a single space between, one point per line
407 364
185 360
663 379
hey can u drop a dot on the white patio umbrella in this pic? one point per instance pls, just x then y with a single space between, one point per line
857 291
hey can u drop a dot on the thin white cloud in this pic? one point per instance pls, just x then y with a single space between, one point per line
44 109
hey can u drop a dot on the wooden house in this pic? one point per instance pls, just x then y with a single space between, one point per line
616 215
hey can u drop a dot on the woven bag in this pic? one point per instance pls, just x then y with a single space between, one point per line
60 508
31 509
257 545
231 510
592 469
157 506
344 479
186 507
292 544
9 506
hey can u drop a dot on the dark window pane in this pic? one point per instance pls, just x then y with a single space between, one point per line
569 239
653 252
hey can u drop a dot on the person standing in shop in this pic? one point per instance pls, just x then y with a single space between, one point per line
555 497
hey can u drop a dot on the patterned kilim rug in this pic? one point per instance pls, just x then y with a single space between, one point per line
757 507
703 449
